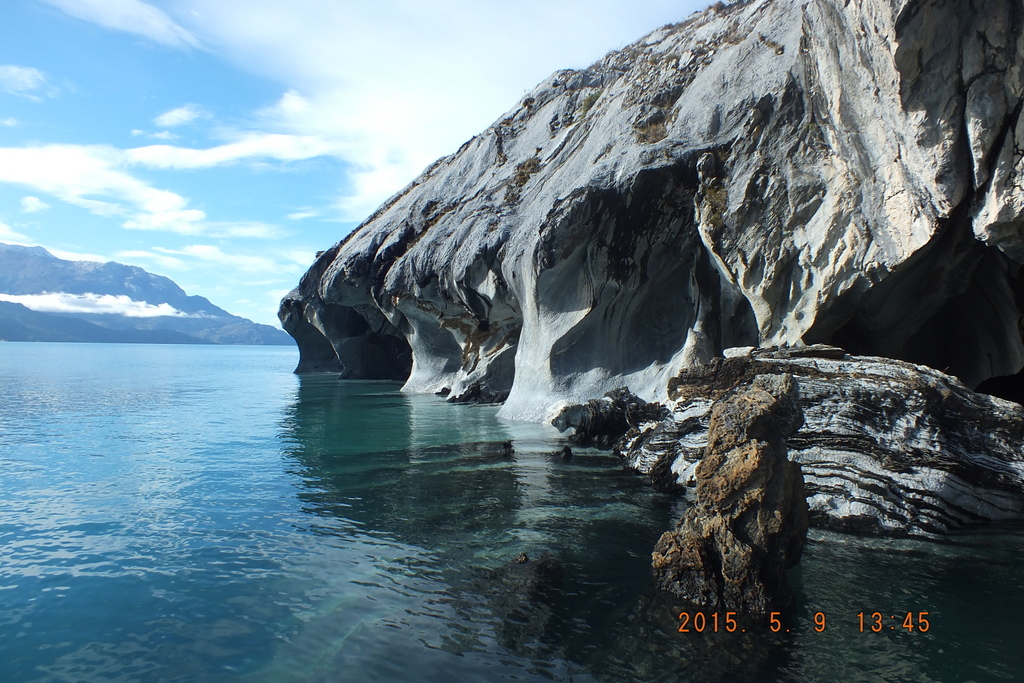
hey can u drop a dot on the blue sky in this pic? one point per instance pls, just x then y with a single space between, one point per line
223 142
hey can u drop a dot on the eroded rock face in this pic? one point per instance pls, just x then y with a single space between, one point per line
771 172
885 447
749 522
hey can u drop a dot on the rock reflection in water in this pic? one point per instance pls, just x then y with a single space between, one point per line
434 479
440 477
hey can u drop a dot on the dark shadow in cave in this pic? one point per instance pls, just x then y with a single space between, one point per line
953 306
368 346
315 351
349 344
1010 387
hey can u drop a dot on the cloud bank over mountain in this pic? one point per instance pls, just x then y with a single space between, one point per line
51 299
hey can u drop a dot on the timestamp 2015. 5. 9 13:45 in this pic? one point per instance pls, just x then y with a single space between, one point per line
777 622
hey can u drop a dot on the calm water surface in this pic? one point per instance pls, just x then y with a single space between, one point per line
198 513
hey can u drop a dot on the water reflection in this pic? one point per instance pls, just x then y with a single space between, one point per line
250 525
435 476
395 464
431 476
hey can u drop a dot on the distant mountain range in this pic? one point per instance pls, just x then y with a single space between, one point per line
45 298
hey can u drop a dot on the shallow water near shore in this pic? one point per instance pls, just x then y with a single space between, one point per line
199 513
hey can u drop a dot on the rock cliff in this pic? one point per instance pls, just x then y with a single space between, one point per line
768 172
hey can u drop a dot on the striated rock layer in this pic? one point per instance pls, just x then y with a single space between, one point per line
885 446
603 421
749 522
766 172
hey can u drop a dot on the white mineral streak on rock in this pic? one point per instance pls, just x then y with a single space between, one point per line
774 172
885 445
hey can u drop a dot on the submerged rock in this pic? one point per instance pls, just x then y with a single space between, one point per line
520 594
748 524
477 393
767 172
603 422
885 446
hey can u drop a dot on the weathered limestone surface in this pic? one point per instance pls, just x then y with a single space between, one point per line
885 446
767 173
749 522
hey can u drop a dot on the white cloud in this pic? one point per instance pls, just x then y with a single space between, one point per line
392 85
76 255
162 260
251 146
299 257
130 16
95 177
89 176
255 230
9 122
276 295
178 117
159 135
33 204
8 235
62 302
379 146
20 80
212 254
302 215
181 221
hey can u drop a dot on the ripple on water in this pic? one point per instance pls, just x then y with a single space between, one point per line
234 522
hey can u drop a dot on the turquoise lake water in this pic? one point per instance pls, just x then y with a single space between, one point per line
199 513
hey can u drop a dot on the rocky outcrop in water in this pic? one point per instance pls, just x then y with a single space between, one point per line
604 421
767 172
749 521
885 446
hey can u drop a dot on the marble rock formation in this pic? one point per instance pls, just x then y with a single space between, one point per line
766 172
749 522
604 421
885 447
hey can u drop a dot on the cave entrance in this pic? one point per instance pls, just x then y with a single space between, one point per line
954 306
1010 387
357 343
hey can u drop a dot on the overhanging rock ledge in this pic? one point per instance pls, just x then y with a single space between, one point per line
765 173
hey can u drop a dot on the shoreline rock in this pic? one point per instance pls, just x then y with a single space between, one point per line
748 525
604 421
886 447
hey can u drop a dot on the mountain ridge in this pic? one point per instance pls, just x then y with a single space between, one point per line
110 302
